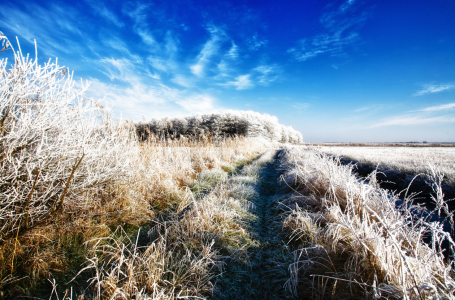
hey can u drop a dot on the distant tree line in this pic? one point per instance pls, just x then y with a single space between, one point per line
218 126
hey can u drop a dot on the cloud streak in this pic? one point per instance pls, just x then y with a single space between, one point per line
340 25
53 37
408 120
266 74
368 109
301 106
428 115
210 49
107 14
242 82
431 88
440 107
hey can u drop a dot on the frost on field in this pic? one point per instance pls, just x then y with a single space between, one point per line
403 159
352 238
54 145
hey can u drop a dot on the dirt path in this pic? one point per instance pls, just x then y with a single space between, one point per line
263 271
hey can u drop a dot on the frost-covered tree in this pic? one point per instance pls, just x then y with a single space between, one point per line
229 123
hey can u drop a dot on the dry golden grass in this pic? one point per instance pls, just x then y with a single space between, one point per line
159 184
164 170
185 256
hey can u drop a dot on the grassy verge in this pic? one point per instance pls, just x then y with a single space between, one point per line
351 240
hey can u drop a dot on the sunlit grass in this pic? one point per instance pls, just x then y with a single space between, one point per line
351 239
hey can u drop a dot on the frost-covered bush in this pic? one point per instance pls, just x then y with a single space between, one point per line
229 123
54 144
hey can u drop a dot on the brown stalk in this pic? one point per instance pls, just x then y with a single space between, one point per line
2 122
30 198
5 48
60 205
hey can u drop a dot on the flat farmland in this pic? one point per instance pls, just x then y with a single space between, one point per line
403 159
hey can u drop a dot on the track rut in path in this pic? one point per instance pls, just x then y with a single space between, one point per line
263 271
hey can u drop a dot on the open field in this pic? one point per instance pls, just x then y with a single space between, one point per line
404 159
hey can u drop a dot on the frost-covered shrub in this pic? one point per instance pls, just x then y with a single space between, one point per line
226 124
54 144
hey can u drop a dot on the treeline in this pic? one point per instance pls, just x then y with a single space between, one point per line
218 126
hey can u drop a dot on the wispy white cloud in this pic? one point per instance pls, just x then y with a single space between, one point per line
126 74
428 115
114 42
197 69
332 44
369 108
407 120
171 44
67 20
224 69
430 88
137 91
301 55
261 75
136 99
300 106
53 28
198 104
147 37
105 12
254 43
184 81
233 53
132 102
266 74
219 62
138 12
210 49
440 107
139 16
242 82
340 24
160 64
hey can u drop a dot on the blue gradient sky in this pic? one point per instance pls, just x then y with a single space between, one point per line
352 71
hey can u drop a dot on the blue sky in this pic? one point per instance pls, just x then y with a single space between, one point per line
352 70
